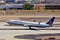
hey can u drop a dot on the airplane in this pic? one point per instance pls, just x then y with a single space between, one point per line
32 24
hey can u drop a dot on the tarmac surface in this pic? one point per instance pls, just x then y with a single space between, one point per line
20 33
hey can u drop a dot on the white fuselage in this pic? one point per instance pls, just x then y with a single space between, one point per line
26 23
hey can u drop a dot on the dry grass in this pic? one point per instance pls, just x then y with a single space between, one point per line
30 12
17 14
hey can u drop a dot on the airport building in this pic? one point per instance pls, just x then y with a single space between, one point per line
33 1
38 4
19 1
47 4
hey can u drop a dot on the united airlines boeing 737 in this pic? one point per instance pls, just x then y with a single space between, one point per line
32 24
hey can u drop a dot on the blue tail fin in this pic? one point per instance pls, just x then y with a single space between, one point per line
50 22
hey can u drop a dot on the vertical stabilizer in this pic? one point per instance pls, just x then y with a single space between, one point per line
50 22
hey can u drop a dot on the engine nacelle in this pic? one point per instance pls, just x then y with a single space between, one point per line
25 25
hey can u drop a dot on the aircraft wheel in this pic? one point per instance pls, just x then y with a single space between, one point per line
30 28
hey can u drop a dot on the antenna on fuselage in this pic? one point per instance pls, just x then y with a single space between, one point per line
39 22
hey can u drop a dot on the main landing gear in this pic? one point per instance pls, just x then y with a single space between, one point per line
30 28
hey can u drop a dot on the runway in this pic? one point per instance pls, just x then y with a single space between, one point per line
11 34
17 32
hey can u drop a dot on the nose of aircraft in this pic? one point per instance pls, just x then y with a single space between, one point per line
8 21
